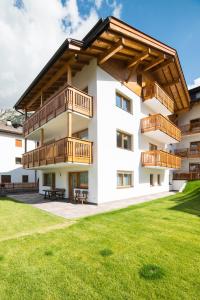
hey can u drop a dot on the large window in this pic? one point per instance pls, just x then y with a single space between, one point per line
124 179
83 134
49 179
123 103
18 143
18 160
158 179
5 178
124 140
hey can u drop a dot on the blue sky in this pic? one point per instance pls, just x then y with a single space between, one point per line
32 30
176 23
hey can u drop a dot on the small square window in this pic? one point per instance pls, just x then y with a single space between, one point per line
123 103
24 178
124 179
18 143
18 160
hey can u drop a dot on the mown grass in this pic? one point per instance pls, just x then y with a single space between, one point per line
147 251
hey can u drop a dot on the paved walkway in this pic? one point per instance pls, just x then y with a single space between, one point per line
72 211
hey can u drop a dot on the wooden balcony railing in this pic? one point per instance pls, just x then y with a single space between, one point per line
155 91
159 122
64 150
159 158
68 98
187 152
186 176
190 128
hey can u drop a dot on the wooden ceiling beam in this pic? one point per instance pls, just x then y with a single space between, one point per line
111 51
163 65
155 62
170 83
140 58
50 82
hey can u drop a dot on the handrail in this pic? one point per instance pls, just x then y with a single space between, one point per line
186 176
155 90
160 158
187 152
159 122
190 128
67 98
68 149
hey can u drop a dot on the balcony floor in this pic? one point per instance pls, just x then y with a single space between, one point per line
160 136
156 106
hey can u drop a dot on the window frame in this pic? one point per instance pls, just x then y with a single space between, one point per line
25 176
122 99
18 163
18 143
123 136
151 182
123 174
159 180
6 176
52 178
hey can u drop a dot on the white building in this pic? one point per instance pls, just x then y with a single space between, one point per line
101 114
189 147
12 148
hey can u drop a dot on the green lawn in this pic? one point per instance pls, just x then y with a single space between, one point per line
147 251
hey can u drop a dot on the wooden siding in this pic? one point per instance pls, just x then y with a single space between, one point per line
187 153
68 98
64 150
159 158
155 91
159 122
186 176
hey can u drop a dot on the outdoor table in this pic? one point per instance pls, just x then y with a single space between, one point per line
53 193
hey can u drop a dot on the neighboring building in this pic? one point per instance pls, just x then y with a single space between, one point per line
189 147
101 114
12 148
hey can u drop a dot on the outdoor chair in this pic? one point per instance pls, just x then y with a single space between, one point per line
84 197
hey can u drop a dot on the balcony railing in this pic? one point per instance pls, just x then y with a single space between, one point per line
186 176
155 91
64 150
190 128
187 152
159 122
159 158
69 98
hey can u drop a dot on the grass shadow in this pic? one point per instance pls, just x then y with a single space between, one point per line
188 202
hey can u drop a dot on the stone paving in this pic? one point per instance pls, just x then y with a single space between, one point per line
73 211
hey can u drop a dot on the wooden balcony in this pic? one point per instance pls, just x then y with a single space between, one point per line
160 159
157 99
65 150
67 99
160 128
187 153
190 128
186 176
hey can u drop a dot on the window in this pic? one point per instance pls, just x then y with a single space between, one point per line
18 143
18 160
158 179
5 178
194 167
124 140
123 103
49 179
83 134
195 124
124 179
83 180
152 147
151 180
24 178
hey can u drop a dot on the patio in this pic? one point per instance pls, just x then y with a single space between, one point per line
73 211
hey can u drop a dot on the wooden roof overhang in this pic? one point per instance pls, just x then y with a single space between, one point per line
54 74
121 51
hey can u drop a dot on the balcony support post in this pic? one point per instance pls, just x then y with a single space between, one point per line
69 75
69 127
41 99
41 137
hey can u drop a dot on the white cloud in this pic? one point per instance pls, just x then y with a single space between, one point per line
31 35
194 84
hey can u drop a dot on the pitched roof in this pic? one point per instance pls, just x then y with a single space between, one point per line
10 129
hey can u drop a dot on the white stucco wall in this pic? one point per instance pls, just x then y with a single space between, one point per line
8 154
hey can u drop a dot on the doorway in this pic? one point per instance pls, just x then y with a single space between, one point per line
78 180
